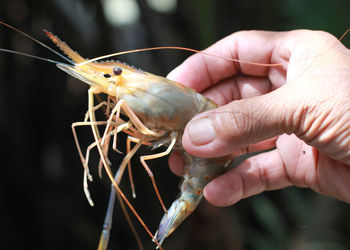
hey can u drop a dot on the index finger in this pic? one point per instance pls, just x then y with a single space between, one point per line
201 71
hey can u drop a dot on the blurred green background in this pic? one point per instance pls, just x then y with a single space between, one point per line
42 202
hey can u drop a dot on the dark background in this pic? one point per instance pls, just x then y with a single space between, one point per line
42 204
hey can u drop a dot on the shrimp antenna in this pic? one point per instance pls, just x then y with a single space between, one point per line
35 40
197 51
32 56
345 33
178 48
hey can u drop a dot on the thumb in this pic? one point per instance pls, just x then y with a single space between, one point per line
234 126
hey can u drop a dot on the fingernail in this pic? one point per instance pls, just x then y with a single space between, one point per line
173 74
201 131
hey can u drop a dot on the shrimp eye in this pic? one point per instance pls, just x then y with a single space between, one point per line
107 75
117 71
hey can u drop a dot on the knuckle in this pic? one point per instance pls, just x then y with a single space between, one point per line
233 122
315 35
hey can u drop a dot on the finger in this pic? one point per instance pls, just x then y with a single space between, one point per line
292 163
257 147
257 174
176 163
202 71
307 167
240 123
238 87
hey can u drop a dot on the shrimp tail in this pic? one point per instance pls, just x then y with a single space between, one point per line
177 213
198 172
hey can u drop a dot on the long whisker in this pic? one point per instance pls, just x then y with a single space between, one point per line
32 56
196 51
179 48
345 33
37 41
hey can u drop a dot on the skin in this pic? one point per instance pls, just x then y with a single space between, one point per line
299 110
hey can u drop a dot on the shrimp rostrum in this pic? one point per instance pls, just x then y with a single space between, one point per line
157 111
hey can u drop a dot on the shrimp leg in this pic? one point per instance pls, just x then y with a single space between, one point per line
85 159
91 93
135 120
109 214
86 123
106 138
144 158
141 127
132 185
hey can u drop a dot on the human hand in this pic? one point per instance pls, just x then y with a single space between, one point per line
301 108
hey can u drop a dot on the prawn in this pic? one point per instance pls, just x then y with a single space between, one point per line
158 110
